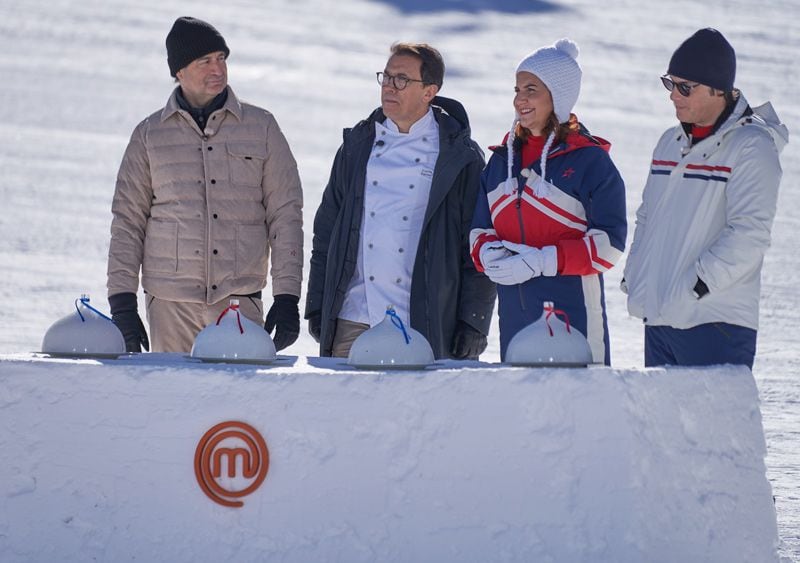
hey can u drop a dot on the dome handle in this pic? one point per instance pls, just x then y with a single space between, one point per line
396 321
235 308
84 299
551 310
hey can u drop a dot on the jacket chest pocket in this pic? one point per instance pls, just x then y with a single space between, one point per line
246 162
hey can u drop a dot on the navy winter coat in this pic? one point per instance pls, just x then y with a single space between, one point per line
445 286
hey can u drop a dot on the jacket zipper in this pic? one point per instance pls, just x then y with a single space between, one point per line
522 237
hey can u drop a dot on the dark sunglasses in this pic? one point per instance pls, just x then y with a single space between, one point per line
684 88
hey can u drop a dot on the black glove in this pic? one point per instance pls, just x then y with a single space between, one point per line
125 314
468 343
284 317
315 325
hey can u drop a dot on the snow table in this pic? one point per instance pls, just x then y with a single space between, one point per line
158 457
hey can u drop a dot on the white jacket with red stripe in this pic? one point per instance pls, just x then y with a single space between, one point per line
707 213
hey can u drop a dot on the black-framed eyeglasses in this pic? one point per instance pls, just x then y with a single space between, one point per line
398 82
684 88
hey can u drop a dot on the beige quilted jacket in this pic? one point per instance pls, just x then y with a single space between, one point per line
200 212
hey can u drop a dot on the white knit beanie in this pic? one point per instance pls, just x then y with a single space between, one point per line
557 68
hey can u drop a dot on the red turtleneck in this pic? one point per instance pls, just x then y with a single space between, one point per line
699 133
532 150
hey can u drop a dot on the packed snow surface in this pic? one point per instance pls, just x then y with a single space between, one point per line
460 462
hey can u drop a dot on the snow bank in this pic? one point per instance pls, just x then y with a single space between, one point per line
468 462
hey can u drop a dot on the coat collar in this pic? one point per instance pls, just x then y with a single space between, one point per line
449 114
232 105
742 114
575 140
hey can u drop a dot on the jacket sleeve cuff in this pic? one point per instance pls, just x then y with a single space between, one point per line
122 302
549 260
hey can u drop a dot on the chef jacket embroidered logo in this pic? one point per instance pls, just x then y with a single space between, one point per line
231 462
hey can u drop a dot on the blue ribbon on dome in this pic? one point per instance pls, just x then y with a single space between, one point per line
85 301
396 321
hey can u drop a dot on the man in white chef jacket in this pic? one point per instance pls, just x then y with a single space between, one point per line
393 224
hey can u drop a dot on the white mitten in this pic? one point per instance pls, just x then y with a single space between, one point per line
544 260
492 251
516 268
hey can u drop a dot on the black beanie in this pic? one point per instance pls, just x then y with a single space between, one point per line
706 57
190 39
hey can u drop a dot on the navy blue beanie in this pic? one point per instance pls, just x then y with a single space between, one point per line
190 39
706 57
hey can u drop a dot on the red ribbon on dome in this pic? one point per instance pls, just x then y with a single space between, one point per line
234 308
556 312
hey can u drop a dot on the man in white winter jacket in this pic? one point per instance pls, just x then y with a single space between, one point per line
694 270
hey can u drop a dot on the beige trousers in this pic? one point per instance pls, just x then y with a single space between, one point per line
346 334
174 324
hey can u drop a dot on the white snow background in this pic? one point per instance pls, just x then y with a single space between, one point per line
78 76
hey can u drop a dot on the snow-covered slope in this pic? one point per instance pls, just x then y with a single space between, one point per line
78 76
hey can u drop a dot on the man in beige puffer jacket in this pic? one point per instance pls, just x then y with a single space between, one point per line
207 190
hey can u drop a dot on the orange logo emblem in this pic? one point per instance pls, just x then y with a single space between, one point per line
229 442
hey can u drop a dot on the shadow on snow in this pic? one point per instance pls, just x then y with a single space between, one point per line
474 6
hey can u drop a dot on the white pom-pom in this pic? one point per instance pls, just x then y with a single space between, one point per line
568 46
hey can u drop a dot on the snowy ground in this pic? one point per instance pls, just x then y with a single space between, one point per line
78 76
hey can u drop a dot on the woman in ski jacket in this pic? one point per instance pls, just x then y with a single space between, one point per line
551 216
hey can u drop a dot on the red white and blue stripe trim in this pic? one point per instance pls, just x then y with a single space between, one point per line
692 171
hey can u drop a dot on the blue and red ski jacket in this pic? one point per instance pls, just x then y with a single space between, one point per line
583 217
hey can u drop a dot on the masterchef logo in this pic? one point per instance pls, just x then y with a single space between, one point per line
231 462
